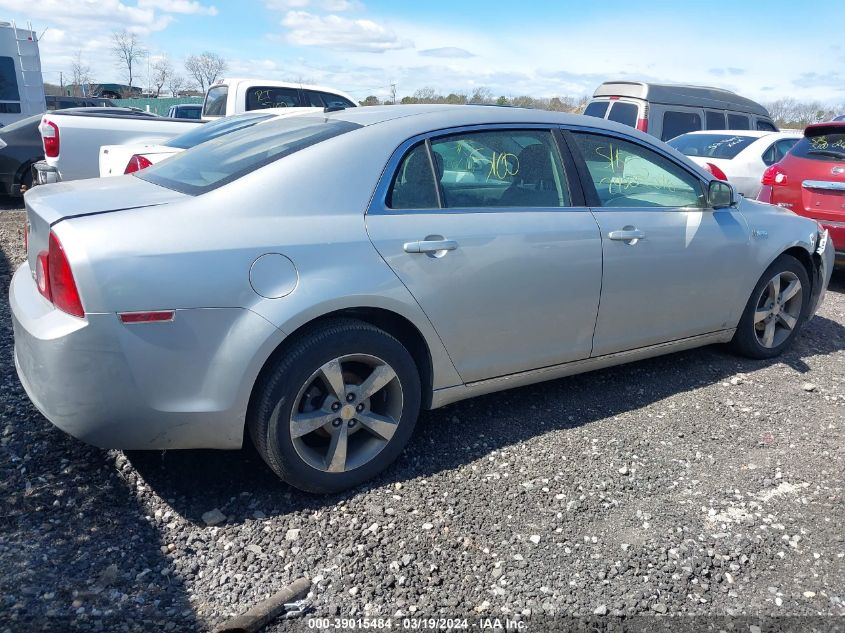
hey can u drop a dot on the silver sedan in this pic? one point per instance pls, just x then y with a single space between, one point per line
317 280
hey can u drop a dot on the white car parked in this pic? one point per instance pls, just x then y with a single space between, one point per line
738 156
117 160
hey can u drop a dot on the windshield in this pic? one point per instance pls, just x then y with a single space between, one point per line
216 129
830 147
711 145
223 160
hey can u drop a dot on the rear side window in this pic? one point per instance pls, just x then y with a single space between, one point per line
597 109
215 101
677 123
500 168
738 122
8 80
625 113
630 175
220 161
259 98
711 145
714 120
820 145
413 184
766 126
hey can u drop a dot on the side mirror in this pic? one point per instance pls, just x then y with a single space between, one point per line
721 195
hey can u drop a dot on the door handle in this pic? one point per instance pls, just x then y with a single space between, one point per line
430 246
628 234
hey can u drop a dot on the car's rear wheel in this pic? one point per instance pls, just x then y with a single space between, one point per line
776 310
337 408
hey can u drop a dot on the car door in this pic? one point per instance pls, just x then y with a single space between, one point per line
671 265
483 227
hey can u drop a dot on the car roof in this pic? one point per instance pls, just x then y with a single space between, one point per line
754 133
681 94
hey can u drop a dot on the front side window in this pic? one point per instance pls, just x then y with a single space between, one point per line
677 123
738 122
711 145
262 97
500 168
714 120
413 185
336 101
629 175
8 80
313 99
223 160
215 101
597 109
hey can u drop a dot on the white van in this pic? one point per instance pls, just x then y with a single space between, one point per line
668 110
236 96
21 84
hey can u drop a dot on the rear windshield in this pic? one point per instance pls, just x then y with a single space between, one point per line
711 145
625 113
597 109
262 97
215 101
223 160
216 129
829 147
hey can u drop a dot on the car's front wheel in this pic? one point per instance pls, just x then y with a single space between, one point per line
337 408
776 310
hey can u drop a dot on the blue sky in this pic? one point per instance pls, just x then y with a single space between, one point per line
764 50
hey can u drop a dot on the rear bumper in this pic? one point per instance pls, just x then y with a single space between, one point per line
180 384
824 259
44 174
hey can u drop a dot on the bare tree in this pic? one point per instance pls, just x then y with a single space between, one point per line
206 68
162 71
81 76
128 50
176 84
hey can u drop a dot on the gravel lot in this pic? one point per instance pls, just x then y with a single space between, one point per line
697 483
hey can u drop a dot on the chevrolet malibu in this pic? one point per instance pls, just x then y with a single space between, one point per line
315 281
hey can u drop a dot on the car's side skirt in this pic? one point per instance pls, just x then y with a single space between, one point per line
449 395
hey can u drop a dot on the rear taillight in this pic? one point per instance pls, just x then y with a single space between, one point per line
642 125
55 279
137 163
713 169
774 176
50 138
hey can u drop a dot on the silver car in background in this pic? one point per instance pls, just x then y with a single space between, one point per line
315 281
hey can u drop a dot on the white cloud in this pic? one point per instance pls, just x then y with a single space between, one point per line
332 6
188 7
339 33
447 52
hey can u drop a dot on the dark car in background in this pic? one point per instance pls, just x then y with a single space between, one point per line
185 111
20 147
61 102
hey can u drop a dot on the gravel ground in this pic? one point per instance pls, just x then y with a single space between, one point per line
697 483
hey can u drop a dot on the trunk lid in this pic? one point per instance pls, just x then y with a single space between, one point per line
49 204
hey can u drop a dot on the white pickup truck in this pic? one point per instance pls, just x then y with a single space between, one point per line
226 97
72 139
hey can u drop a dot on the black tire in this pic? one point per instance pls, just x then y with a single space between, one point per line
745 340
280 384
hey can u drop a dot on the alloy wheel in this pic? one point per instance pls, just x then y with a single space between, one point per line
778 309
346 413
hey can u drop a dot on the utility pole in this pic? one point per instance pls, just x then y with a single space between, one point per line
61 82
393 93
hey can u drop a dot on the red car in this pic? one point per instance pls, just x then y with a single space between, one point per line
810 180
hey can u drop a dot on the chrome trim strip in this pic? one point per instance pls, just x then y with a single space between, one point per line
823 184
442 397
